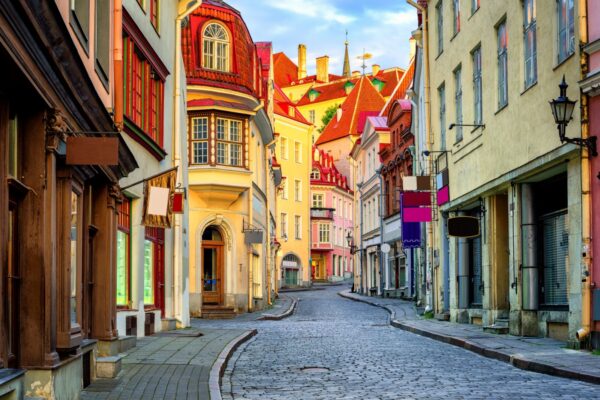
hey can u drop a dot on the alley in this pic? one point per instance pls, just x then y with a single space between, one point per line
333 348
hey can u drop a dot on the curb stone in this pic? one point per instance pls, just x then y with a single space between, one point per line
278 317
218 368
515 361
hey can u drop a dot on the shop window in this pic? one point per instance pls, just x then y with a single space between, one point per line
475 271
153 267
124 254
75 256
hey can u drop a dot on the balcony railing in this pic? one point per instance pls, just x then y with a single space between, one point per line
322 246
321 213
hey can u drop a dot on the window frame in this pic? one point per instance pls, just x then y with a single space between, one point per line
80 22
442 114
458 106
284 224
440 26
284 148
297 190
502 64
477 85
298 227
298 152
124 226
214 56
529 52
155 236
569 29
318 200
324 233
212 141
455 17
475 5
228 143
155 14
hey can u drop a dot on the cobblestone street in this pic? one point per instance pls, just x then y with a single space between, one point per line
333 348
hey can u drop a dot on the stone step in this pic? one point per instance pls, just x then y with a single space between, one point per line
169 324
498 330
442 317
108 367
216 315
127 343
502 322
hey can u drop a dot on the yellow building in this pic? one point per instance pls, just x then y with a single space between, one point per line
231 181
293 153
494 67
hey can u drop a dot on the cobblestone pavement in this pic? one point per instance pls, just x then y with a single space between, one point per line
334 348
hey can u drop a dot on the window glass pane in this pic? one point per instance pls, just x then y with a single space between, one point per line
148 272
200 152
199 128
74 256
13 147
234 131
222 153
236 155
221 129
81 11
458 102
122 266
208 54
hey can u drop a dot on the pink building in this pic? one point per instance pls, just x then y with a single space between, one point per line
331 220
590 86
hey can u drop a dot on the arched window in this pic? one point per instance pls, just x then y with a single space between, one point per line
215 47
315 174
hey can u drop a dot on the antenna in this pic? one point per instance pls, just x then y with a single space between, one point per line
364 57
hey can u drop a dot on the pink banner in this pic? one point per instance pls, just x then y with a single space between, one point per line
443 195
416 214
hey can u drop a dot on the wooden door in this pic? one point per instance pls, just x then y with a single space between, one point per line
159 273
212 273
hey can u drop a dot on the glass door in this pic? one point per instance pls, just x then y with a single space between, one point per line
211 274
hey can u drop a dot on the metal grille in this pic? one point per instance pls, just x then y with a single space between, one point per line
556 246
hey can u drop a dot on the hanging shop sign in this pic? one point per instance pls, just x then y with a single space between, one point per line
85 150
463 226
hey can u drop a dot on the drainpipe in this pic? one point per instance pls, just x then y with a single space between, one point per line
118 64
250 254
361 251
583 332
382 280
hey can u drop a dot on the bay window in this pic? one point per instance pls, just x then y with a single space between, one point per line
223 146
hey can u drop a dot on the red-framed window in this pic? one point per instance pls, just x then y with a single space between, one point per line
144 92
154 270
154 7
123 291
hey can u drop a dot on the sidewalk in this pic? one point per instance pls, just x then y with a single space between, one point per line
543 355
180 364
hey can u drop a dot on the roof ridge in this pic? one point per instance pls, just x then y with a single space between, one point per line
356 102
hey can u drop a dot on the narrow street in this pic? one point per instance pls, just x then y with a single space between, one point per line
333 348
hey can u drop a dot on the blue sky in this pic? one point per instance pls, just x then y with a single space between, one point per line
382 27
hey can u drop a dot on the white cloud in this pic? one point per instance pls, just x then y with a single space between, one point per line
403 17
312 8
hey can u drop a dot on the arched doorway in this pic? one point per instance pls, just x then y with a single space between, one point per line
291 265
212 266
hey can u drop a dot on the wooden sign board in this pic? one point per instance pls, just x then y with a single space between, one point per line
463 227
83 150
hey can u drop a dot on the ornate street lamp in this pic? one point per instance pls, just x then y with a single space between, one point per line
350 241
562 110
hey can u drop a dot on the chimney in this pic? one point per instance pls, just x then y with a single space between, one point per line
323 69
301 61
339 113
355 74
376 69
412 48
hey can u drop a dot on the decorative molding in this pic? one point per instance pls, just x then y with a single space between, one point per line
56 129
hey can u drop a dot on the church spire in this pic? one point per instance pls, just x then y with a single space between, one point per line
346 72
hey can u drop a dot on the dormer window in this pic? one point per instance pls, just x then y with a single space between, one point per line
348 86
215 48
313 94
378 84
315 174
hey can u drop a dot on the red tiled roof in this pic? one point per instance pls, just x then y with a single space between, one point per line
328 172
364 97
285 70
362 120
335 89
283 105
378 123
400 88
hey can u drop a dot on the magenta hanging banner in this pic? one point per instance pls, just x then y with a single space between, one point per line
416 214
416 199
443 195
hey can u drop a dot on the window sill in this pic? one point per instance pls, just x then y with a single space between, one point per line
529 87
454 35
438 55
501 108
473 13
475 129
142 138
560 63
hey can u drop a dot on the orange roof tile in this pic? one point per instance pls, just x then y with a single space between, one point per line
285 70
283 106
400 88
364 97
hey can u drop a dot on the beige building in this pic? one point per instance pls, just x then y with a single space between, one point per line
494 67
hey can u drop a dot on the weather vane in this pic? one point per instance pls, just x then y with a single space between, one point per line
364 57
